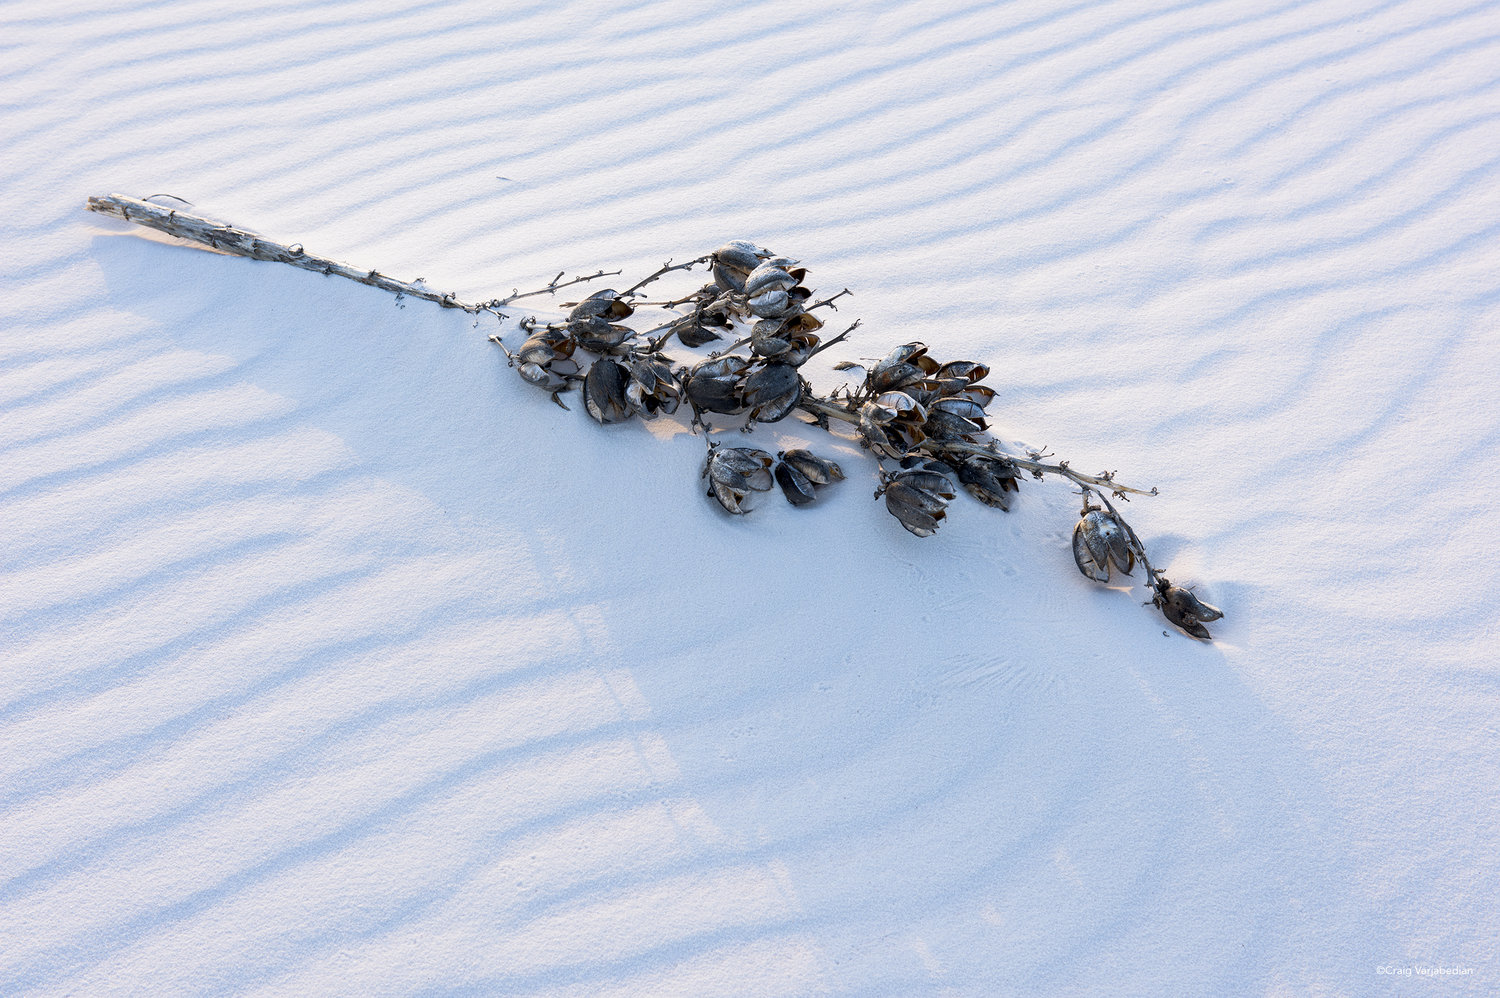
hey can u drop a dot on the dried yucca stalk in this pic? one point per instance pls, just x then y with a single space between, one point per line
923 420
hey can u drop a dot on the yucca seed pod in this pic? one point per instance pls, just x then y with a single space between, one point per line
797 487
601 304
653 388
942 426
699 328
968 371
598 334
734 472
918 498
772 392
604 391
717 385
800 474
771 304
1183 609
733 262
990 480
768 278
819 471
903 366
1098 542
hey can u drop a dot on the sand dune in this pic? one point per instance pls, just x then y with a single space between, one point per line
336 660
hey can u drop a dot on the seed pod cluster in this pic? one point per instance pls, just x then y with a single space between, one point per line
927 416
913 399
752 283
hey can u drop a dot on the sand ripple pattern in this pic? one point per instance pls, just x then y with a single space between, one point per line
332 662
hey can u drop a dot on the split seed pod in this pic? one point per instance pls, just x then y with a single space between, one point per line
990 480
918 497
1184 609
602 304
696 329
598 334
604 391
903 366
734 472
716 385
653 389
734 261
544 358
954 418
772 392
1098 540
800 472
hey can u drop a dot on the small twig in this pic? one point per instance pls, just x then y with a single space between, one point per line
829 301
837 339
666 268
557 285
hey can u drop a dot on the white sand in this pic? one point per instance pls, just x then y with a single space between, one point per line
336 660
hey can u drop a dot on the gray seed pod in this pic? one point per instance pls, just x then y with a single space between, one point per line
653 389
774 303
602 304
1184 609
942 425
918 498
1098 540
734 261
733 472
819 471
968 371
544 360
797 487
903 366
772 392
800 473
696 330
598 334
537 375
990 480
769 277
604 391
716 385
